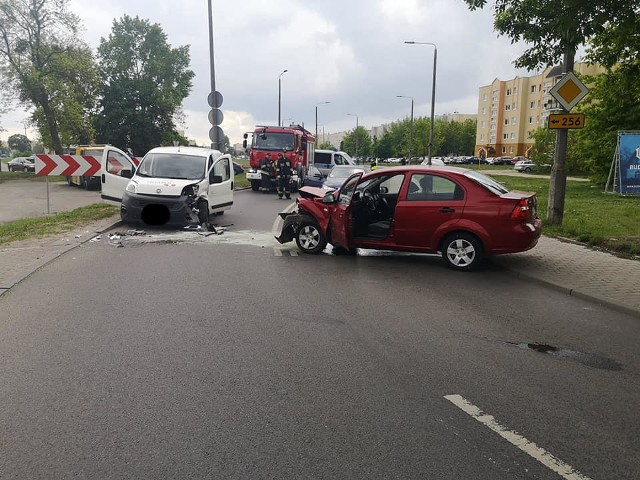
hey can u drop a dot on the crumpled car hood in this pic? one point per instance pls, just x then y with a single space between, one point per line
160 186
313 192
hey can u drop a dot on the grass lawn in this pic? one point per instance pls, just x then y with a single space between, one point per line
590 215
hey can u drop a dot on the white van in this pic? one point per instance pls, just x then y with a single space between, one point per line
324 160
171 186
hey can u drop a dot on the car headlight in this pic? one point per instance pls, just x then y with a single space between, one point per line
191 190
131 187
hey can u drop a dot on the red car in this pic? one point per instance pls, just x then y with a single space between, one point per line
461 213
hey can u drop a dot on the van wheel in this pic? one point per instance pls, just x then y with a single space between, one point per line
462 251
310 238
203 213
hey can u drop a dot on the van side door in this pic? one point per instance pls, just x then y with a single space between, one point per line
220 192
117 169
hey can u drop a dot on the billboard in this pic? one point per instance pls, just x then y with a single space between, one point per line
629 167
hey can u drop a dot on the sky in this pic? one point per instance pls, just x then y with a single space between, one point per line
350 53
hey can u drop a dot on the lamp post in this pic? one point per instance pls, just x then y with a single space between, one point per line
411 130
321 103
280 94
356 134
433 91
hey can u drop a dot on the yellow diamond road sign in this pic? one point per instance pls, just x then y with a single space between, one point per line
569 91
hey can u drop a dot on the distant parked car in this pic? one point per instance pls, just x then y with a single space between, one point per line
22 164
434 161
525 166
237 168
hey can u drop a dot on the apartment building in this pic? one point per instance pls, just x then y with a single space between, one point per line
509 111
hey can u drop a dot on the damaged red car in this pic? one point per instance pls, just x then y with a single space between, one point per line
460 213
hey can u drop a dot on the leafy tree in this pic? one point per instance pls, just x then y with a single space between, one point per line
145 83
555 29
38 48
19 142
610 107
326 145
357 143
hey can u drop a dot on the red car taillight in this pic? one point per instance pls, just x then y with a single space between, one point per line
522 210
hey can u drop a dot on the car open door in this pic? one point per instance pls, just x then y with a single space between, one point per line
221 185
340 212
117 169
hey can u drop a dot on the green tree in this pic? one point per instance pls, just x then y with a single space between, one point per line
555 29
145 83
610 107
357 143
326 145
19 142
38 47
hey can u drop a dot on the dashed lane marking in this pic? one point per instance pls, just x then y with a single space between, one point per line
530 448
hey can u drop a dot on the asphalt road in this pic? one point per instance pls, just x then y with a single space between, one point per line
175 355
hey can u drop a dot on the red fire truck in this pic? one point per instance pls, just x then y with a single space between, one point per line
297 143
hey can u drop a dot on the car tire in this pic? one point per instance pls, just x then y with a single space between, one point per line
310 238
527 170
462 251
25 169
255 185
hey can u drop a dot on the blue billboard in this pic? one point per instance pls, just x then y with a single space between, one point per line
629 150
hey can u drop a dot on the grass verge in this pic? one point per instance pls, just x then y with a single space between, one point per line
55 224
598 219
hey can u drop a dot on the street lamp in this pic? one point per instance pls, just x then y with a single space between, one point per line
280 94
433 91
321 103
411 130
356 134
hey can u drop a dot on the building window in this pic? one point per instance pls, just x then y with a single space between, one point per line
513 135
511 150
506 121
505 136
484 97
504 149
483 124
533 89
530 120
507 107
515 90
482 137
513 120
508 92
532 104
484 110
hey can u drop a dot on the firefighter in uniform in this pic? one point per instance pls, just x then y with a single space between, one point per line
283 175
266 170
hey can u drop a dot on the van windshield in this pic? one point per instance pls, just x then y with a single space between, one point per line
172 165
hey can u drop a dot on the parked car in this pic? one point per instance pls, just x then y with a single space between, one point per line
458 212
314 178
501 161
237 168
434 161
22 164
339 174
525 166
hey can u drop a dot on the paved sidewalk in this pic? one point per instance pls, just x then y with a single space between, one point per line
572 268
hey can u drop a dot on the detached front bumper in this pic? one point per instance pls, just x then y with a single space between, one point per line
290 226
157 210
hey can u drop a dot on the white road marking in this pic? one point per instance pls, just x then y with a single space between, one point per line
530 448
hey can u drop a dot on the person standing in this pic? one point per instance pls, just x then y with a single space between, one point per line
283 175
266 171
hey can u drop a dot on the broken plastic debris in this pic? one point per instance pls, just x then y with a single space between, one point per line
96 238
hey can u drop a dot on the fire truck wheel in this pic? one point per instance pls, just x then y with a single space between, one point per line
255 185
310 238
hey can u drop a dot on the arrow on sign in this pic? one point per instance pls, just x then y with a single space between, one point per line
94 165
47 165
72 165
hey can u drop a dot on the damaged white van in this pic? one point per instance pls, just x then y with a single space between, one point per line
172 186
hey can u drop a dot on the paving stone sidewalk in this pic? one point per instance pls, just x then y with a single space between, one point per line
572 268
